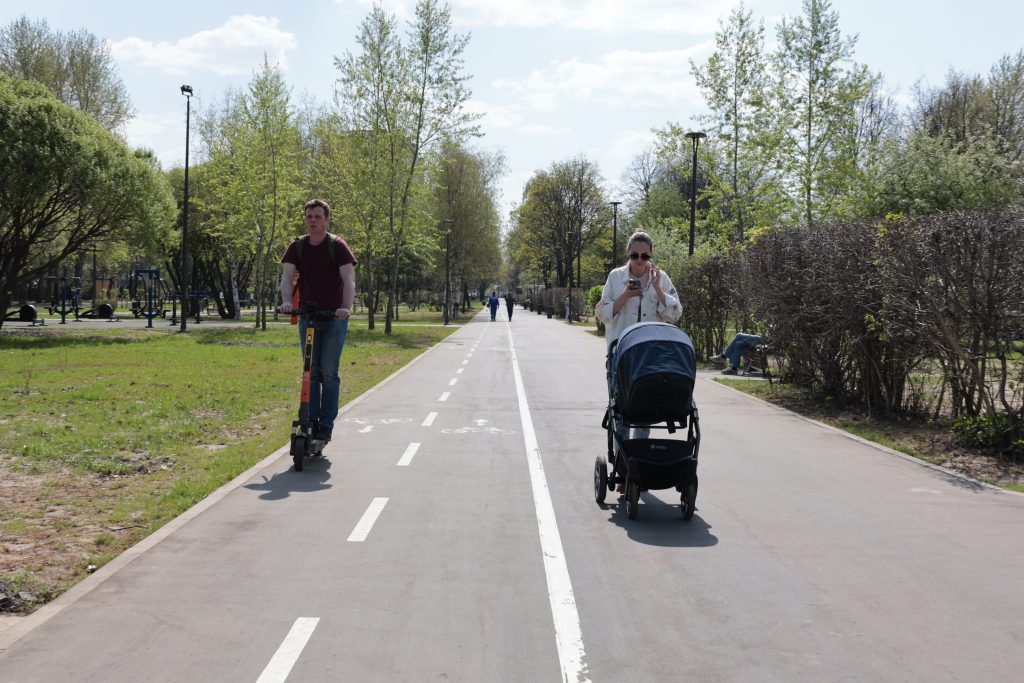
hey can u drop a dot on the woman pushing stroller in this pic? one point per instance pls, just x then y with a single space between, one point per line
651 369
637 292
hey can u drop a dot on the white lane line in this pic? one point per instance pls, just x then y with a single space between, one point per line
284 659
444 396
407 457
460 371
465 362
430 419
453 381
362 529
568 635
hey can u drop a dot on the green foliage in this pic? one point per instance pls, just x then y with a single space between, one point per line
66 182
405 98
593 298
817 89
76 67
255 177
563 213
995 430
926 174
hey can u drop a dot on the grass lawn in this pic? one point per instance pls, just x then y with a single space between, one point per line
933 443
109 434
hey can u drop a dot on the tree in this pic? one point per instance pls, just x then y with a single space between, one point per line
407 98
970 106
926 174
816 97
735 82
255 148
563 212
349 171
66 182
465 193
77 67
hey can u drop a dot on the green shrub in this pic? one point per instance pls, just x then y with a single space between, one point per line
988 431
593 297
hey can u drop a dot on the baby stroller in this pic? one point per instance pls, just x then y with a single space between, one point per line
651 372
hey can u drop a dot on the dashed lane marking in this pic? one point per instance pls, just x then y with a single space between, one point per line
288 653
367 521
444 396
430 419
452 382
409 454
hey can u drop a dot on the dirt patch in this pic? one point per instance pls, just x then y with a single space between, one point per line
51 533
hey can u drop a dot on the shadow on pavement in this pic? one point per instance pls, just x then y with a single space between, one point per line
311 479
661 524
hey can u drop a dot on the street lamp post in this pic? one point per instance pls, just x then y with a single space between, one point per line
695 140
615 232
448 222
186 90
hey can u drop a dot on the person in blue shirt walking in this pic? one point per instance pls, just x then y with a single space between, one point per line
492 303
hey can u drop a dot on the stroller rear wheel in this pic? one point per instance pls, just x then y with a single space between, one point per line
632 498
600 479
689 499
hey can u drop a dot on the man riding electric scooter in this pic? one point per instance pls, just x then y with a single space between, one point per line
323 268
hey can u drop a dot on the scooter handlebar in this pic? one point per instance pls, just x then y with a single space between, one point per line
311 313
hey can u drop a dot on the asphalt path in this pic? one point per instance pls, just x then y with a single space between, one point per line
450 533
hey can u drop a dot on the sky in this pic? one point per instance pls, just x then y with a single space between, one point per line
554 79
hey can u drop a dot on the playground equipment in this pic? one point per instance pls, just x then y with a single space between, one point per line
148 295
66 300
25 314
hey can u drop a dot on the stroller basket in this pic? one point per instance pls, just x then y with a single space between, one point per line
654 367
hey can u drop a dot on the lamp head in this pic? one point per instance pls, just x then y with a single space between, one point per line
186 90
695 135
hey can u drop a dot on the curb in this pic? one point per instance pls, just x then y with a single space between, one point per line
24 625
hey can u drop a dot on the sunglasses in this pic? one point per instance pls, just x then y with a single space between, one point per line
643 257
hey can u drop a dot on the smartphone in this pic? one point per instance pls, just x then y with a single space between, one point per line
634 283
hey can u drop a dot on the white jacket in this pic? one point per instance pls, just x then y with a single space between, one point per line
651 309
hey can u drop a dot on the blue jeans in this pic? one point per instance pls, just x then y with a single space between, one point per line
739 346
325 385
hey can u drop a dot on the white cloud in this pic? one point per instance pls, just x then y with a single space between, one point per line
539 129
495 115
682 16
233 48
620 78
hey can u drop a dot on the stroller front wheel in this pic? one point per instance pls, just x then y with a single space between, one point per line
600 479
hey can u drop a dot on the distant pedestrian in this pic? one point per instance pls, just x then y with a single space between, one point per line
492 303
510 301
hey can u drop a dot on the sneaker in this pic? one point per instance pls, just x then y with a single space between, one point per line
323 434
730 371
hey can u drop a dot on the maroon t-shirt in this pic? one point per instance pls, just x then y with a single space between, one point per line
319 279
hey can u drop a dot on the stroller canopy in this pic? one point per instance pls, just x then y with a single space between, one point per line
654 368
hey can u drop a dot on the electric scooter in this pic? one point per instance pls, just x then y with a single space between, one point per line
303 445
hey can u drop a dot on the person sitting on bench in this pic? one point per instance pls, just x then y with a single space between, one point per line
740 346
